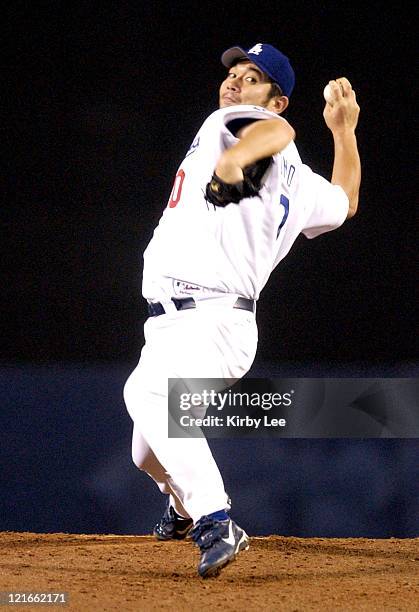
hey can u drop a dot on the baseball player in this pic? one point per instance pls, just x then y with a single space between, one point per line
240 198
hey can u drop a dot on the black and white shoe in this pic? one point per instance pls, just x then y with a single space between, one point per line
172 526
219 542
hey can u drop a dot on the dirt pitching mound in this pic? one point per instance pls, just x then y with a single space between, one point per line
124 573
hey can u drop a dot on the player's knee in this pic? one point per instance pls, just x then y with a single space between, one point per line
136 459
127 390
129 396
139 450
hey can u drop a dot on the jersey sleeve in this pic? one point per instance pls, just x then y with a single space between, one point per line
327 205
236 117
237 124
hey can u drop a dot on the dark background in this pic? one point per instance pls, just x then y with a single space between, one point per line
101 106
100 103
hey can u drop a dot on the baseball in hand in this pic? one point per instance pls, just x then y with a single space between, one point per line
327 94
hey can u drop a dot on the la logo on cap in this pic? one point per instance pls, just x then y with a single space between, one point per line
256 49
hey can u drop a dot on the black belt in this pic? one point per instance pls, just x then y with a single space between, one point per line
155 309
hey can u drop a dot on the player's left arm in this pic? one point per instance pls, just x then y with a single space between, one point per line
258 140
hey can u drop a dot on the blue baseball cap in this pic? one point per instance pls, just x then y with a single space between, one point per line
271 61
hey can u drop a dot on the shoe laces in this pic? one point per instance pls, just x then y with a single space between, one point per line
207 532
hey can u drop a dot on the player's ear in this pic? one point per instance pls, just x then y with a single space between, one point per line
277 104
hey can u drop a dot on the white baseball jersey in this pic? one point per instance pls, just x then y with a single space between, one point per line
234 249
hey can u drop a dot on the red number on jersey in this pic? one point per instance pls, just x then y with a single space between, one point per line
177 189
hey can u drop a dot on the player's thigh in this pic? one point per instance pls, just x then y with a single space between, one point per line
219 343
213 343
237 337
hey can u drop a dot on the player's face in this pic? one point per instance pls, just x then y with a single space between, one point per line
245 84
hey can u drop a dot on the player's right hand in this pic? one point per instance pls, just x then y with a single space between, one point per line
342 115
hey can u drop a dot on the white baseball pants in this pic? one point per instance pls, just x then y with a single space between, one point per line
213 340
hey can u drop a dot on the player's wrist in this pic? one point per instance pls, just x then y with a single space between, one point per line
228 169
344 137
